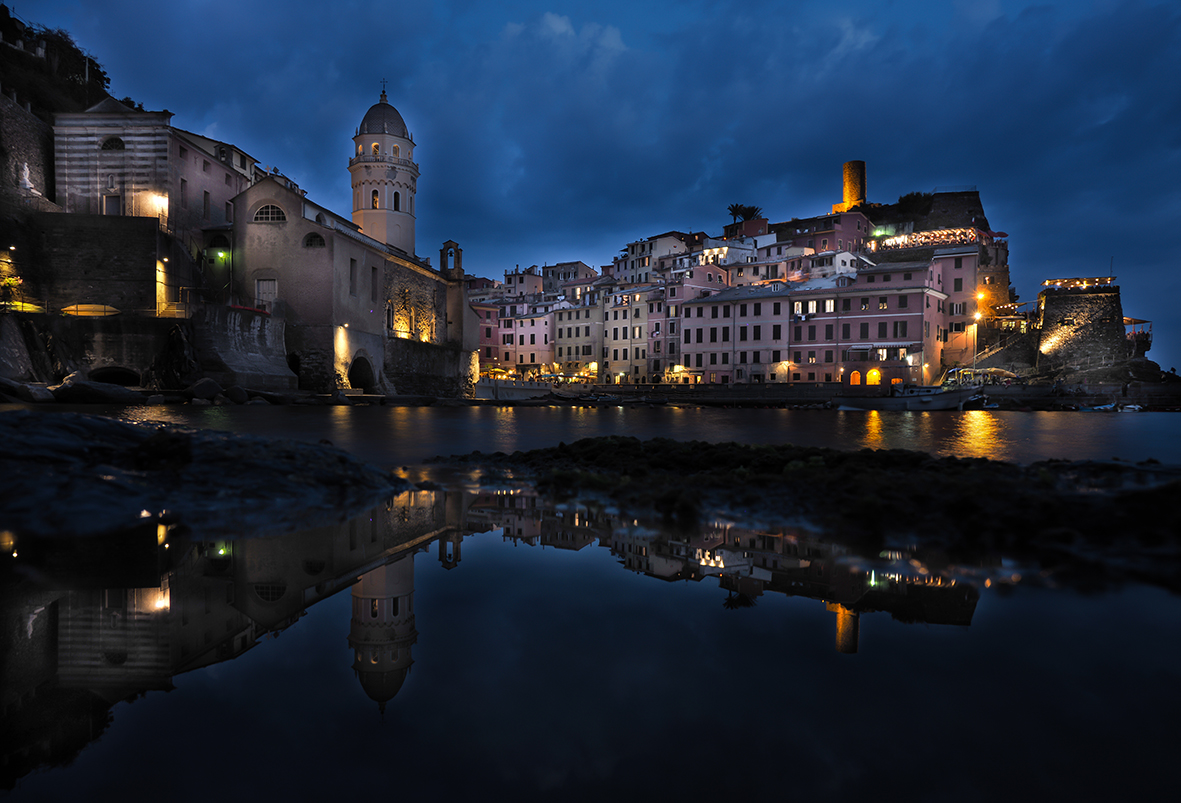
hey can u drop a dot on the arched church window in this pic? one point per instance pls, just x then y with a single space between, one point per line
313 240
360 149
113 144
111 181
376 149
397 202
270 214
270 592
374 200
395 151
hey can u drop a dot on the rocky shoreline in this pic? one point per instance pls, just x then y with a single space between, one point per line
75 474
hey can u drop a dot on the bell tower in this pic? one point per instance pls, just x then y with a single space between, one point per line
384 177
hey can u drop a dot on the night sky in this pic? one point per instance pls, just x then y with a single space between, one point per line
556 131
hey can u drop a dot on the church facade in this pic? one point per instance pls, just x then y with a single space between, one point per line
362 310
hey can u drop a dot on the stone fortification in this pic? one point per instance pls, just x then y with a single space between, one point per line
1082 326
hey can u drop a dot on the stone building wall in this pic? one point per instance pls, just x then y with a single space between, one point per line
417 308
92 259
242 347
24 139
424 369
45 348
1080 326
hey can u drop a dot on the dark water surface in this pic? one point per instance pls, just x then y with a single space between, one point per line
475 644
407 435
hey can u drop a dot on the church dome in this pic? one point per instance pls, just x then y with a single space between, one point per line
382 118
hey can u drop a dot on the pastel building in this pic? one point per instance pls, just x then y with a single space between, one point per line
578 338
885 325
625 335
736 335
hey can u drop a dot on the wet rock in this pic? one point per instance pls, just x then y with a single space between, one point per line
201 403
85 391
156 400
237 395
25 392
272 398
339 398
80 475
204 389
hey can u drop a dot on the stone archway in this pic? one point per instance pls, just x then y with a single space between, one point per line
115 375
361 375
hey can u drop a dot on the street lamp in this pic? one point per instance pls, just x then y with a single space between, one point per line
975 342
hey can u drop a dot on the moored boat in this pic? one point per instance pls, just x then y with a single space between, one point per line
911 397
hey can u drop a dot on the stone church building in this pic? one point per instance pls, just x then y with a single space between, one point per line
361 308
151 225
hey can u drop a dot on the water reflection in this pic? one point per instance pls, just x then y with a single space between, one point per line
82 633
394 436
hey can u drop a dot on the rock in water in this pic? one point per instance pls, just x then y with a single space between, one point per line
86 391
68 473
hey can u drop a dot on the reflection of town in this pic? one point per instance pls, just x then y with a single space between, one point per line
106 622
88 625
749 562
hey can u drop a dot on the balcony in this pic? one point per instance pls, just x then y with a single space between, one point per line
368 158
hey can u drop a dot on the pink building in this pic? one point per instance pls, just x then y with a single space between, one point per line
488 314
883 325
736 335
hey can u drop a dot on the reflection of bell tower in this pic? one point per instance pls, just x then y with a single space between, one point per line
449 550
848 627
382 629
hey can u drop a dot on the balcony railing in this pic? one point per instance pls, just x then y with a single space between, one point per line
381 158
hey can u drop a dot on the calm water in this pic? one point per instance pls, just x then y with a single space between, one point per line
400 436
570 654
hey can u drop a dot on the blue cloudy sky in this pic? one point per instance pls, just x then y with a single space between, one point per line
552 131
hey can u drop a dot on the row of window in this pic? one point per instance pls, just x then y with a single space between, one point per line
507 340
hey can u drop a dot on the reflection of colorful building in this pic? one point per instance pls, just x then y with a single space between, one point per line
520 517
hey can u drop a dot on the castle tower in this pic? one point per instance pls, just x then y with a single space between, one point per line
384 177
382 629
853 186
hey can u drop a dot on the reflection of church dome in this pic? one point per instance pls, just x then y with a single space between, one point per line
382 118
382 686
382 632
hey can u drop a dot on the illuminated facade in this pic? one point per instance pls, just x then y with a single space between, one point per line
354 298
114 161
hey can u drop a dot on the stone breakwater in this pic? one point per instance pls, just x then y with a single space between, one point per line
74 474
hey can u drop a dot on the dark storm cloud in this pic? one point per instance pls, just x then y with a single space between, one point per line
553 131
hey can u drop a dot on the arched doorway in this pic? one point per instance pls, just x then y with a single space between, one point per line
874 377
855 378
361 375
114 375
